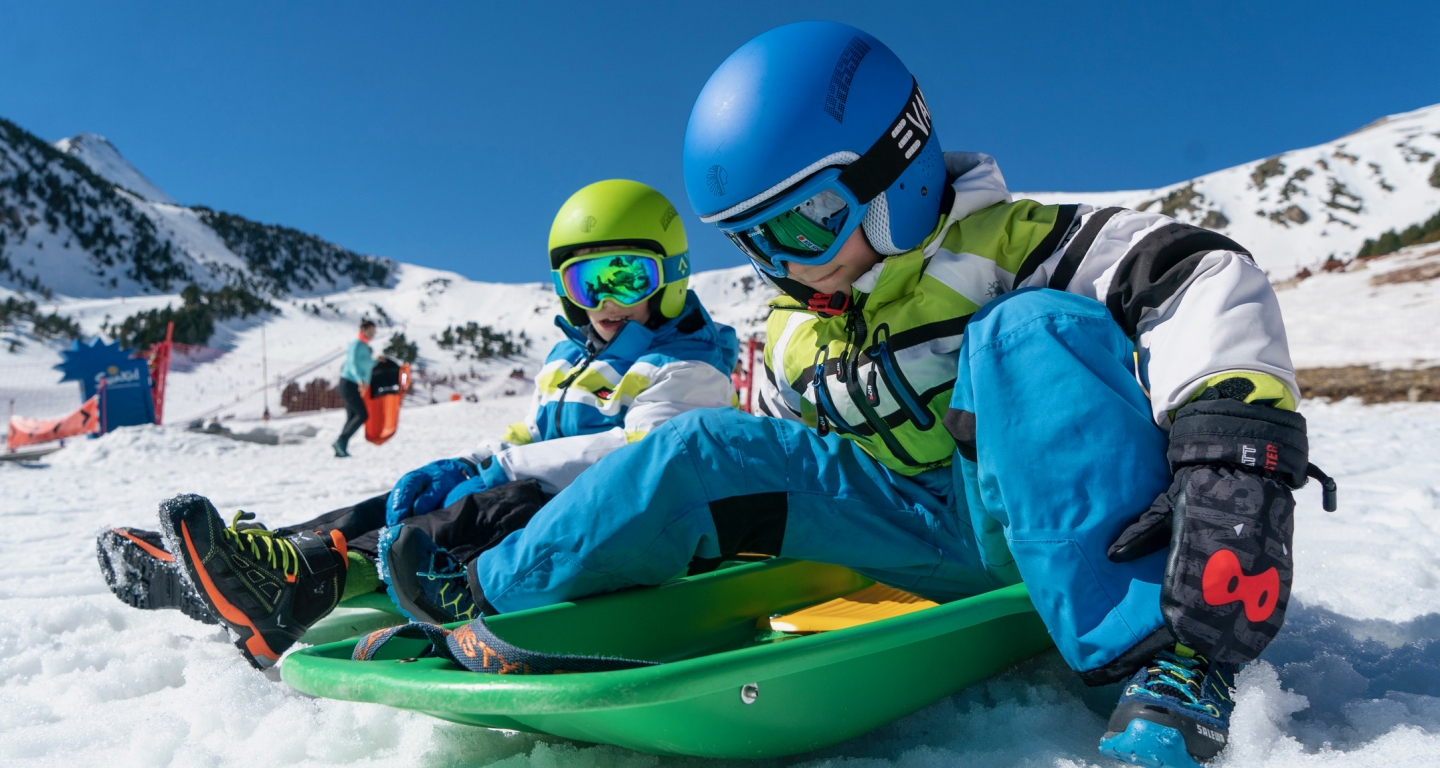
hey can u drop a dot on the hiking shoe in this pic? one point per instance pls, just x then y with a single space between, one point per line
1174 712
267 589
425 582
143 575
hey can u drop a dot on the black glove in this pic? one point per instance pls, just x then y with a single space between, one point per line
1228 518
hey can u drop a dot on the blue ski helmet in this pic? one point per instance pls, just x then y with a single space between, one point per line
805 133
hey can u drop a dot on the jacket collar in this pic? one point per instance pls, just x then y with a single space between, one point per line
978 184
634 339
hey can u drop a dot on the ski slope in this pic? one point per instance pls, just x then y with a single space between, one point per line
1299 208
1354 679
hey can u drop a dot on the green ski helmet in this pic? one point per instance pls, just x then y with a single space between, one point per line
623 214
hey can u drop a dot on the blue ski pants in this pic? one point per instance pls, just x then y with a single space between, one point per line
1057 454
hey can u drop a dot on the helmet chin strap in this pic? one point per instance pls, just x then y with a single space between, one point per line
828 304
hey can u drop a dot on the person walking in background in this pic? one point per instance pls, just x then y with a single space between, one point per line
354 374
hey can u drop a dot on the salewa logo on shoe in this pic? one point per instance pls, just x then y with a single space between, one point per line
916 117
1209 734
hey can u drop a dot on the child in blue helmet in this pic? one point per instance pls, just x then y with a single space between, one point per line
968 391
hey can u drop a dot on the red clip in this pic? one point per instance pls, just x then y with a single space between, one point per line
831 304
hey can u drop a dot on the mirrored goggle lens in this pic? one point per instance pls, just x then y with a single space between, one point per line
801 234
625 278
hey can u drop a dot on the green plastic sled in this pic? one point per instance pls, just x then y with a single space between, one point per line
726 689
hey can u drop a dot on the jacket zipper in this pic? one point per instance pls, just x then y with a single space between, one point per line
826 414
855 329
905 395
565 387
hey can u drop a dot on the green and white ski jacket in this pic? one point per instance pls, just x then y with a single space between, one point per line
1194 301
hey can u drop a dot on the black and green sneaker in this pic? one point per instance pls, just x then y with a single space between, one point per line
267 589
144 575
425 582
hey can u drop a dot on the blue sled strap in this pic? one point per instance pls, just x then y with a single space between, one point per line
474 647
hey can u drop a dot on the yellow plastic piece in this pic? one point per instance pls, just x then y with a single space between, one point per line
518 434
872 603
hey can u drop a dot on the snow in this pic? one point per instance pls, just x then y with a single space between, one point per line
299 344
105 160
1343 318
1353 680
1355 187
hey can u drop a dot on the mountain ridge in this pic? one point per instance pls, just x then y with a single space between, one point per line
1298 209
78 230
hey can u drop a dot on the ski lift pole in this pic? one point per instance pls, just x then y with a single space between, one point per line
264 375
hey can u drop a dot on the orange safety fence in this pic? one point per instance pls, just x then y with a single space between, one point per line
26 431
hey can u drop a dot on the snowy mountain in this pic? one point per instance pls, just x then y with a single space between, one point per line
1300 208
104 159
140 254
77 220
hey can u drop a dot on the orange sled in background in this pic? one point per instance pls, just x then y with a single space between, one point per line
388 384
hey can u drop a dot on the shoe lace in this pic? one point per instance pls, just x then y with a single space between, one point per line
278 552
442 566
451 596
1182 676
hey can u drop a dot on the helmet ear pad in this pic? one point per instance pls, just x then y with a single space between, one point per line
672 298
573 313
900 218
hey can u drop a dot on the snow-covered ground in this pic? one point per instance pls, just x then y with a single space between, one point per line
1354 680
1360 317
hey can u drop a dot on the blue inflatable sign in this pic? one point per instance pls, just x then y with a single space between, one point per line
126 398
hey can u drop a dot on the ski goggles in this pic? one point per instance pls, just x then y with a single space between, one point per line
626 277
810 222
807 225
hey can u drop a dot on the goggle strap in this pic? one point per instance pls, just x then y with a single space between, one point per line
893 152
673 268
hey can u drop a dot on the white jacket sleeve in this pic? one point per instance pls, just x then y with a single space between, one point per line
674 388
1194 301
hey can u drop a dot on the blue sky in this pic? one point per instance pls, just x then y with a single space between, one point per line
448 135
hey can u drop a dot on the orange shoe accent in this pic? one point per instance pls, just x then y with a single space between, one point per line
155 552
255 644
338 539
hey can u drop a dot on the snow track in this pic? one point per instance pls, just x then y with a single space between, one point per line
1353 680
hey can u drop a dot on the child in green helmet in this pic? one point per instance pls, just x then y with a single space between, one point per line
639 349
